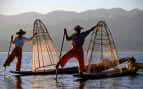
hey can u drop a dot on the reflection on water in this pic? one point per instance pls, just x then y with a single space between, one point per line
42 82
81 85
99 84
11 82
69 82
18 82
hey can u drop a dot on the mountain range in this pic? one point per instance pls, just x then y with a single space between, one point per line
126 26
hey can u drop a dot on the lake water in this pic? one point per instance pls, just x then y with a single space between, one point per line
66 81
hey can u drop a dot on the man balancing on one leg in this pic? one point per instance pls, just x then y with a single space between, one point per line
76 51
17 50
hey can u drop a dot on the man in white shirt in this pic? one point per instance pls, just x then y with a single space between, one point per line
18 44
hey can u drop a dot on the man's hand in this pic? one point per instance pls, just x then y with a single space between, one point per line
96 26
11 37
65 30
35 33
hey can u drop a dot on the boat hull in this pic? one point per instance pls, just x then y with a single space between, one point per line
70 70
107 74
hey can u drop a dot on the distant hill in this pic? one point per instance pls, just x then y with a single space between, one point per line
126 26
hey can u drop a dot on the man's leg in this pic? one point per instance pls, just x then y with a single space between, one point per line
10 58
66 57
80 59
19 58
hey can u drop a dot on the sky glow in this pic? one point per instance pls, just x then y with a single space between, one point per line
11 7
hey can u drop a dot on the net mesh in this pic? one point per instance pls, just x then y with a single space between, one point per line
44 53
102 50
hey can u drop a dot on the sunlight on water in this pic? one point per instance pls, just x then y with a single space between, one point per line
10 81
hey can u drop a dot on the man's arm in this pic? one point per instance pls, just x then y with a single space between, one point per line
91 29
29 39
67 37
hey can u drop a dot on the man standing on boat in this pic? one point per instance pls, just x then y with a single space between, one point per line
18 44
76 51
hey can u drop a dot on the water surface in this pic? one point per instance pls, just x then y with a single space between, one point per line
65 81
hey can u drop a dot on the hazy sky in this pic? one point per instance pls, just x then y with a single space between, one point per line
9 7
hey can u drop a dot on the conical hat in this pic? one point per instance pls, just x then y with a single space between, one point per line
20 32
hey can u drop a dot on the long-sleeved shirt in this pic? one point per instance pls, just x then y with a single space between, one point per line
78 39
19 42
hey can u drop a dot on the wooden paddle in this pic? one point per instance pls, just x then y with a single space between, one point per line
60 52
10 44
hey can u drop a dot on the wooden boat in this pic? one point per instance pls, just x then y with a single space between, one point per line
70 70
106 74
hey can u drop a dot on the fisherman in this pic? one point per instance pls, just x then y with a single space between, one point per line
18 44
133 65
76 51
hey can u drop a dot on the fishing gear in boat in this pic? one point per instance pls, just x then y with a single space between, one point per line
102 54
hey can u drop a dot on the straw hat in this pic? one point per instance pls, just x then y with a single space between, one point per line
20 32
77 27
